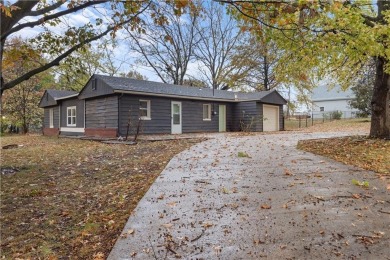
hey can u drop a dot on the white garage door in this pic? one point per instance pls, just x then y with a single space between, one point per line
270 118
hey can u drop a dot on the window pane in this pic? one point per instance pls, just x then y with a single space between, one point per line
143 113
206 111
69 121
176 119
73 112
143 104
176 109
73 120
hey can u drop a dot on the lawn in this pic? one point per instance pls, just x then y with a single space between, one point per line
68 198
361 151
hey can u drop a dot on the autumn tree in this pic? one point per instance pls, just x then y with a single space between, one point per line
166 41
75 70
20 107
44 15
255 60
328 38
363 90
133 74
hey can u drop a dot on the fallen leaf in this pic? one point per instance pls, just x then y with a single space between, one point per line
388 186
167 225
356 196
171 204
130 231
207 224
265 206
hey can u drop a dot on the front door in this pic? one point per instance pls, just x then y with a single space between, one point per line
222 118
176 117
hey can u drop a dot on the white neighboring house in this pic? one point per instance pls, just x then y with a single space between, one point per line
325 101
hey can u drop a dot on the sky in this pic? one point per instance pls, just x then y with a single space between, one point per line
121 53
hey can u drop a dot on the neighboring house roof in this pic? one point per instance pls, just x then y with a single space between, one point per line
322 93
129 85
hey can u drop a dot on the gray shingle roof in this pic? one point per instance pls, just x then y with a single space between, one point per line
323 93
128 84
56 94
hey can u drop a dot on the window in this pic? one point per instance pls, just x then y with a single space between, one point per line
51 115
144 109
206 112
93 84
322 109
71 116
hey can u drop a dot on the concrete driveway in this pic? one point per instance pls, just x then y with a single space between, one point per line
278 203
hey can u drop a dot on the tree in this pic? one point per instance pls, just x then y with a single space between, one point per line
165 43
219 35
256 61
363 90
61 44
327 38
75 71
133 74
21 102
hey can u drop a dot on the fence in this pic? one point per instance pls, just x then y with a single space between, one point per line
305 119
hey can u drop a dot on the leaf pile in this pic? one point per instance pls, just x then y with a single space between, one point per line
363 152
71 198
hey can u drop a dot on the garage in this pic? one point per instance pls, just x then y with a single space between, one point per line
270 118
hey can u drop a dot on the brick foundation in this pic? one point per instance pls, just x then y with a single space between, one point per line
101 132
51 131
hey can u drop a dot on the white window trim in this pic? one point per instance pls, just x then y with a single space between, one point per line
67 115
208 112
51 118
148 111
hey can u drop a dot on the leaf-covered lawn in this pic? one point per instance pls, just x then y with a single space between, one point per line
366 153
71 198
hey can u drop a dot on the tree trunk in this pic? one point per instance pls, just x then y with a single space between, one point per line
380 102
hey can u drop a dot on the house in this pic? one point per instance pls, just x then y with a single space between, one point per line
106 104
325 101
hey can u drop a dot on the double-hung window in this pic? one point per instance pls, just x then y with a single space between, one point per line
206 112
71 116
144 109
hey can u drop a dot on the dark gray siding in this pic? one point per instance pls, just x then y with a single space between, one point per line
47 100
274 98
79 111
245 114
160 114
192 114
160 123
56 114
101 112
101 89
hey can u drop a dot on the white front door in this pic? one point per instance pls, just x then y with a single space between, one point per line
222 118
270 118
176 117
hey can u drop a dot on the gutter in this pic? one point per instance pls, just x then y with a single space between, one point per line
74 95
183 97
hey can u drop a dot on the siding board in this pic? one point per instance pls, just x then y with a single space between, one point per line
79 104
102 112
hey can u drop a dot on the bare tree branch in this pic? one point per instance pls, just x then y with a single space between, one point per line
57 60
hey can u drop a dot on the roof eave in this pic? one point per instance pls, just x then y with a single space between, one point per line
66 97
180 96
